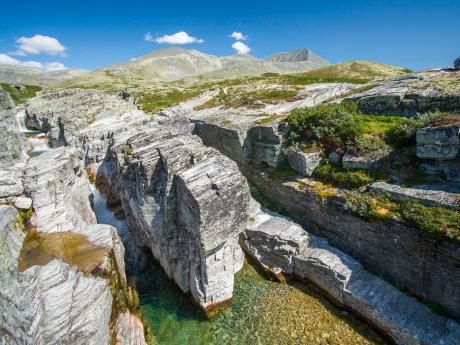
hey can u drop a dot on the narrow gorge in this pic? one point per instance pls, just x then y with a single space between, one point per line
202 224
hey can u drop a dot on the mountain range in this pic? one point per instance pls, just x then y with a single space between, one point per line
171 64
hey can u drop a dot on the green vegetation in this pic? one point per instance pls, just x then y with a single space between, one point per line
236 97
342 128
341 177
404 132
151 103
330 125
21 93
434 220
23 218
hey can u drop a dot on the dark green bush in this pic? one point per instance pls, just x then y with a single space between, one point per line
330 124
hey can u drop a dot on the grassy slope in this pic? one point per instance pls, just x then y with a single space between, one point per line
353 72
21 96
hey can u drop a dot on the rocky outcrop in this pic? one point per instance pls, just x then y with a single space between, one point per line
425 194
57 183
183 205
411 94
304 163
283 247
52 303
403 254
185 202
441 143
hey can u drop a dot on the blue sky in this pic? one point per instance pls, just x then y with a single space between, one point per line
414 34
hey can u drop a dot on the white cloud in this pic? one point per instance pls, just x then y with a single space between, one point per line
148 37
241 48
55 66
178 38
133 59
39 44
8 60
238 36
51 66
34 64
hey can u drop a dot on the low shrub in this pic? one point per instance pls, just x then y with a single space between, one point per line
330 124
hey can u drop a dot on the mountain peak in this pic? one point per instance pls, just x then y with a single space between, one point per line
298 55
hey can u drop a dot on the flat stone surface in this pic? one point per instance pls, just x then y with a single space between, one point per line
423 194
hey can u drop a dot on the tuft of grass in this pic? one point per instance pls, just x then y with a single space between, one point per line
22 93
23 218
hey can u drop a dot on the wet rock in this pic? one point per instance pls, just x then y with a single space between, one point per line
304 163
425 195
441 143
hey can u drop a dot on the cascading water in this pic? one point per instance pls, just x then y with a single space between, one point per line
262 311
37 140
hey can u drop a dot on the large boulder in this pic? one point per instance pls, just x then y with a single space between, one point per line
441 143
304 163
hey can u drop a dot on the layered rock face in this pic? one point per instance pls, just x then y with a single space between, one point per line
401 253
184 201
48 299
457 63
283 247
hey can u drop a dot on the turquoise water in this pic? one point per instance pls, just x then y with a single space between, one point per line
262 312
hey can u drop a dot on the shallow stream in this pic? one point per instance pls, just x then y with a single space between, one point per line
262 312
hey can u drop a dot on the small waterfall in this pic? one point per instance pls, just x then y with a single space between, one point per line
38 141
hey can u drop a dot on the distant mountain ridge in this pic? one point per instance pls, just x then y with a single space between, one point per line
34 76
170 64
